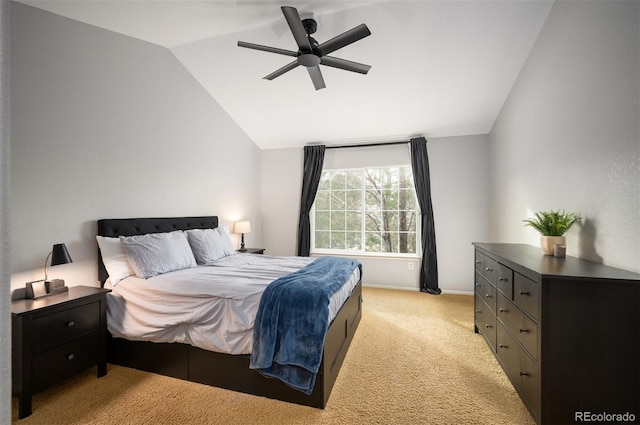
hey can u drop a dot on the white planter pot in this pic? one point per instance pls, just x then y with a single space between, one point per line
547 243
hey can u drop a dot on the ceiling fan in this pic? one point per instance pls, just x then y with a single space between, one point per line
310 54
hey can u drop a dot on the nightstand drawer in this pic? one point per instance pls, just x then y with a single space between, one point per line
64 360
64 326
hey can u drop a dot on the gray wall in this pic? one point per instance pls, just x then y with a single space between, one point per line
459 184
5 329
568 135
105 125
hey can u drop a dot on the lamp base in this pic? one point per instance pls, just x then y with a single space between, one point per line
242 248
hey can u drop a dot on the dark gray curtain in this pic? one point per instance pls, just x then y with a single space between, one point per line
313 159
422 181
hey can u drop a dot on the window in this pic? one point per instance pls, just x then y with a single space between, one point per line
365 211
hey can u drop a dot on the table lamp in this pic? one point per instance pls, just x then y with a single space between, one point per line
242 227
40 288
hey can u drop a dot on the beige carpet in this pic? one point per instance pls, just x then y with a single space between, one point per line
414 360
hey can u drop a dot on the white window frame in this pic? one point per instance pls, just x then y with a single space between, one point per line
363 253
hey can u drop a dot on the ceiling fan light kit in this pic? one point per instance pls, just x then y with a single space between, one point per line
310 53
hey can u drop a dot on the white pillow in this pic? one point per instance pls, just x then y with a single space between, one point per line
114 259
210 245
224 227
227 233
156 253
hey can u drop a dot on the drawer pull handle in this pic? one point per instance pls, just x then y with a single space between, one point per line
71 324
488 326
503 310
478 311
524 374
488 269
503 279
524 331
487 295
525 293
478 262
71 356
478 285
503 346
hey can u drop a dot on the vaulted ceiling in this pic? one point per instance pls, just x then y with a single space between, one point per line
438 68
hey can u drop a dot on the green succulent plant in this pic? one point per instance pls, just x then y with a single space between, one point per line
552 223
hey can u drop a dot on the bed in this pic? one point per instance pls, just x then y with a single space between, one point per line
218 368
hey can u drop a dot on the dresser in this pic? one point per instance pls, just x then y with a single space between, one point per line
56 337
566 332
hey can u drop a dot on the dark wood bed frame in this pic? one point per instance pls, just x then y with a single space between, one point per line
228 371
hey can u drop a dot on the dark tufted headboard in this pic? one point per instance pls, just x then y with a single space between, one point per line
114 227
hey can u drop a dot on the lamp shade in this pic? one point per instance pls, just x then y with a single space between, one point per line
60 255
242 227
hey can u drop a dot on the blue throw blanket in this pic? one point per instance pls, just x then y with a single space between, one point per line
292 321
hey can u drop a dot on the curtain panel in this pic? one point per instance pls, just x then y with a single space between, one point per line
422 181
313 160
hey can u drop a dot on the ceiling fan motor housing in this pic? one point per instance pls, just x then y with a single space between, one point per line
310 25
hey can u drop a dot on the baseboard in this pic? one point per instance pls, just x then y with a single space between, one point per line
400 288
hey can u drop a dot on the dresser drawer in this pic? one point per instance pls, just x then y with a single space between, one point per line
504 281
480 262
529 375
485 320
508 353
490 270
487 292
520 326
523 372
64 326
526 295
64 360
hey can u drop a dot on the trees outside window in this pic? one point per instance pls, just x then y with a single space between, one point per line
366 211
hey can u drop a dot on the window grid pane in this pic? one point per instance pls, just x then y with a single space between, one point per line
370 210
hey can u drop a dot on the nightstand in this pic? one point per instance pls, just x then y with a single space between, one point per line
252 251
56 337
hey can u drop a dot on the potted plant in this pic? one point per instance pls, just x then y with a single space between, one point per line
551 225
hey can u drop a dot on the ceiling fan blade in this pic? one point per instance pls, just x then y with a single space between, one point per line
345 64
295 23
267 48
344 39
282 70
316 77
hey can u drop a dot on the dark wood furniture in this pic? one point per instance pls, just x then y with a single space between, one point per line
228 371
566 331
56 337
252 251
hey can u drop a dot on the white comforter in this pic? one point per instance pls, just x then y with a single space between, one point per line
211 307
